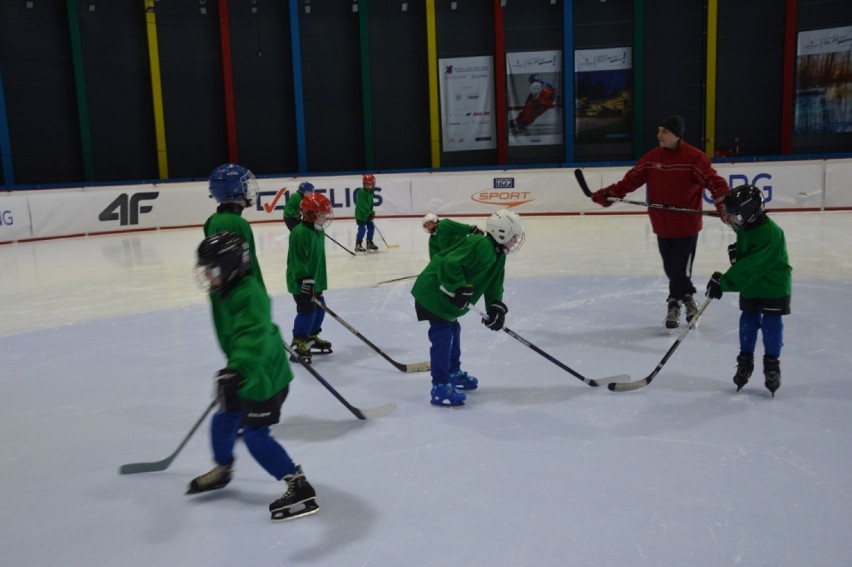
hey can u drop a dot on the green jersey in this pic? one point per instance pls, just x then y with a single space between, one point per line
294 202
447 234
306 258
762 270
250 340
474 262
363 205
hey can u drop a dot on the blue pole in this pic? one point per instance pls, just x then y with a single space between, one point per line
299 99
5 143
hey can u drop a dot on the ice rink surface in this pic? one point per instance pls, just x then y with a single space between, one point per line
107 356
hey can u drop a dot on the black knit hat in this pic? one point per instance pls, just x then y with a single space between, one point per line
674 124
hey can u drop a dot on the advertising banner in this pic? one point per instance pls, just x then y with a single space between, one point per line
467 103
14 218
603 82
533 98
824 81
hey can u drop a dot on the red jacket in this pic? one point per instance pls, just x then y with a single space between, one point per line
678 178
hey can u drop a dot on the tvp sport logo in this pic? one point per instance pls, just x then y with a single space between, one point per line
503 194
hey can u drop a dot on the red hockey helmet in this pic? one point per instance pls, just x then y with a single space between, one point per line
316 209
369 180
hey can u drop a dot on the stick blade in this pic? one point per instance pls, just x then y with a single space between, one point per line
135 468
378 411
627 386
418 367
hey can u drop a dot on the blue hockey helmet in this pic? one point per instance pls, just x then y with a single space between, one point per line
232 182
305 187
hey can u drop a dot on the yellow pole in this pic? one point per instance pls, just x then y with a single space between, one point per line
156 89
434 93
710 91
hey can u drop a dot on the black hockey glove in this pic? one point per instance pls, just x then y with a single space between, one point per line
496 316
227 386
461 297
306 287
371 216
714 286
732 253
476 230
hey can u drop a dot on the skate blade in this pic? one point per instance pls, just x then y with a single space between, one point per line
309 507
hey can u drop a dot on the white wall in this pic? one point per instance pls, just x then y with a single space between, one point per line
24 215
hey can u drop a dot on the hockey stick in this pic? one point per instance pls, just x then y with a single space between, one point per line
133 468
383 238
377 284
368 413
415 367
339 244
581 180
570 371
627 386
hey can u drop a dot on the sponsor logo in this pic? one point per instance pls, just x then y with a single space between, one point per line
737 179
127 208
503 194
271 201
6 218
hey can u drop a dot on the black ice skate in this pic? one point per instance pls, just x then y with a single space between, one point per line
745 366
673 314
301 347
772 374
359 247
371 247
218 478
298 501
319 345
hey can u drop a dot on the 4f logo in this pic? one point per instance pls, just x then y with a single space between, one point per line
126 209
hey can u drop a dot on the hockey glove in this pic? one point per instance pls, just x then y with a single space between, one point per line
461 297
601 197
496 316
732 253
371 216
714 286
306 287
228 384
476 230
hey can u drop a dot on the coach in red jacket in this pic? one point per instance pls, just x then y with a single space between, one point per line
676 174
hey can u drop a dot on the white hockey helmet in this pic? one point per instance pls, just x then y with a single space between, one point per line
507 230
432 219
535 87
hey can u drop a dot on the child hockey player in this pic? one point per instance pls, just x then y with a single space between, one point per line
234 188
306 275
452 281
292 212
444 233
761 272
542 98
256 379
364 214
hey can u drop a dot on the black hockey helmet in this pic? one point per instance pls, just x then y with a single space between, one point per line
223 259
745 205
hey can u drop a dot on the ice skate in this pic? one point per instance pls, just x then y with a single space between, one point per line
359 247
447 395
298 501
772 373
461 380
301 347
217 478
691 308
673 314
319 345
371 247
745 366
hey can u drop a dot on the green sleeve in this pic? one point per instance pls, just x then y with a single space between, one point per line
294 202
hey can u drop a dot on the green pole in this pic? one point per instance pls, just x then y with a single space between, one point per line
80 84
638 78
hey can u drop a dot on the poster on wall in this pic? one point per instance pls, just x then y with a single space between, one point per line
603 82
533 100
824 81
467 104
